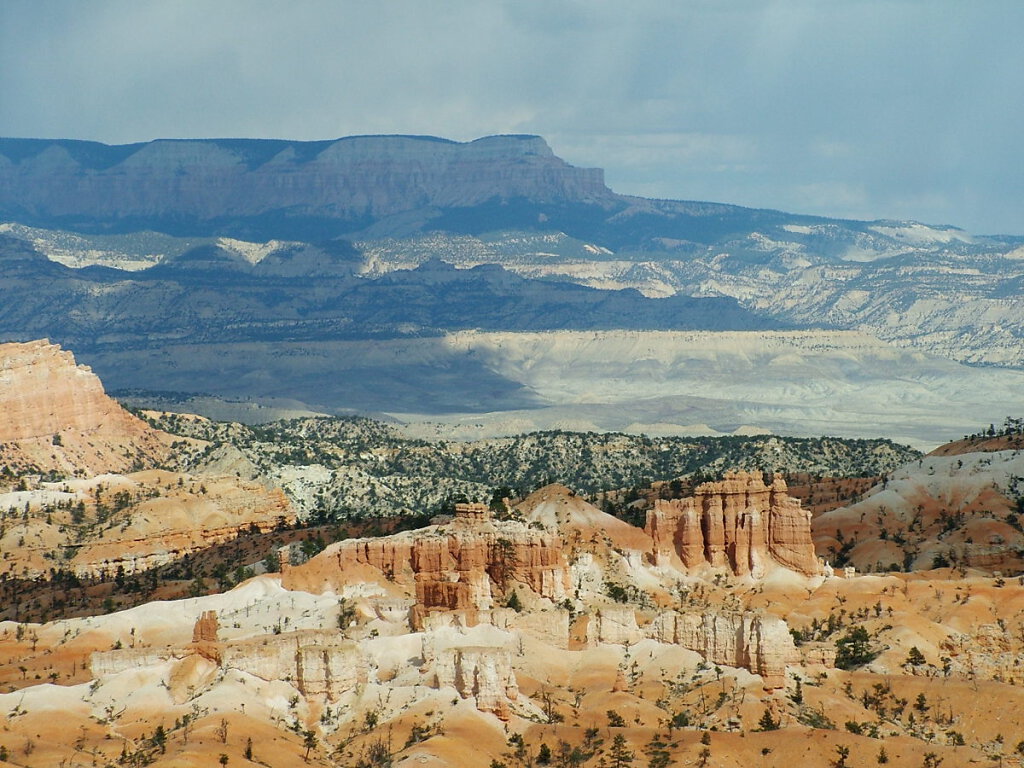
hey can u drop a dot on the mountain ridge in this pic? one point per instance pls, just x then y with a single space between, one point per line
233 185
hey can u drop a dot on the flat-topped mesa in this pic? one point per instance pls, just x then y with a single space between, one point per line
340 185
739 523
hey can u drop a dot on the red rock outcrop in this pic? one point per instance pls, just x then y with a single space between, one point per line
205 630
204 636
455 567
761 644
54 415
739 523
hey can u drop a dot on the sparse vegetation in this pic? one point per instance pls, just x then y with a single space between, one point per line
377 471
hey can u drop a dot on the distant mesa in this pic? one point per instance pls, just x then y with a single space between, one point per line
205 186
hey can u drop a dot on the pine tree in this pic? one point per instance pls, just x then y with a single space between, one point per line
767 722
620 754
544 755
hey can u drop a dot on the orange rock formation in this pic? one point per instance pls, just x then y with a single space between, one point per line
456 567
739 523
205 630
204 636
56 416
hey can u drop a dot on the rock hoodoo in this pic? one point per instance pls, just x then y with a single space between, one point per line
739 523
204 636
205 630
461 566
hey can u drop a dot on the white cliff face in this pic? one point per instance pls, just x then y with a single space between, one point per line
616 625
759 643
477 663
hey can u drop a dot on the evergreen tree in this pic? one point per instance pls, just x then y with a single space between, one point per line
767 722
620 754
854 649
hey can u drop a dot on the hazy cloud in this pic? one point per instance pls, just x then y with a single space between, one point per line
880 108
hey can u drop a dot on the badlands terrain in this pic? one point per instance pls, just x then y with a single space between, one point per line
489 288
198 614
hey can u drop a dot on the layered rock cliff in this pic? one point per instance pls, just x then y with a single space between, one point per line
739 523
199 185
320 663
483 672
54 415
756 642
461 566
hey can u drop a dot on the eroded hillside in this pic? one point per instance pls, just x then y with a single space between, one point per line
549 634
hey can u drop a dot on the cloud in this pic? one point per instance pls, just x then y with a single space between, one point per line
913 105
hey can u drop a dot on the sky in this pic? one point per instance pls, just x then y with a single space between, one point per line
892 109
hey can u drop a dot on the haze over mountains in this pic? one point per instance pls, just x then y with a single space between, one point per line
278 188
215 266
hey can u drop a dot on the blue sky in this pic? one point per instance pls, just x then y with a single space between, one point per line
867 109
